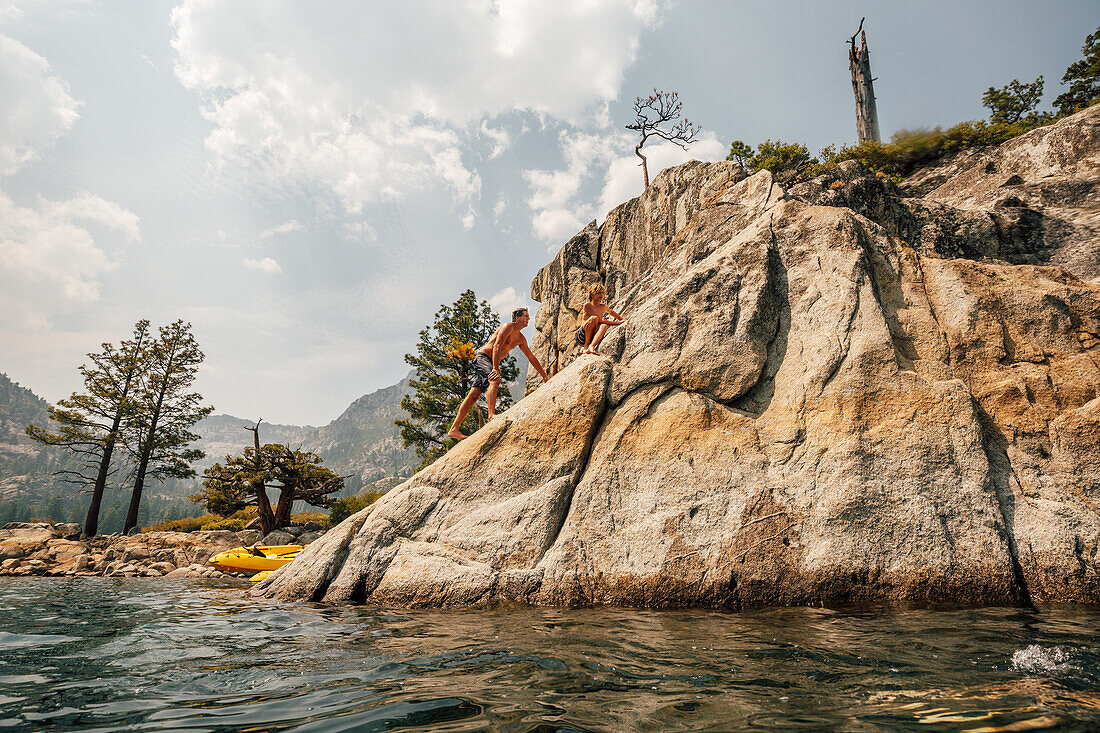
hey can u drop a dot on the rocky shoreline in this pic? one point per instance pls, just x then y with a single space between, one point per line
40 548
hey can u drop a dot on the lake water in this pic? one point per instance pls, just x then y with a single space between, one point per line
113 654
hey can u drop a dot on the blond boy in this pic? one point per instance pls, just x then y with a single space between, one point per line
596 320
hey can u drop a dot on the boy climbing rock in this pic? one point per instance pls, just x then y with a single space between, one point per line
596 321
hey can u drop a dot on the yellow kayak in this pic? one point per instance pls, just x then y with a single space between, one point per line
255 558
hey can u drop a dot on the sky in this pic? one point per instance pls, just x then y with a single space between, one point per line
306 183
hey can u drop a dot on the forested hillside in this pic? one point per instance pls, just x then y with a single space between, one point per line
362 443
29 487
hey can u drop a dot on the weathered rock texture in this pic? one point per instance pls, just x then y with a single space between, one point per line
829 394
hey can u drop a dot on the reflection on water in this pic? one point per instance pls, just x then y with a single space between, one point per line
112 654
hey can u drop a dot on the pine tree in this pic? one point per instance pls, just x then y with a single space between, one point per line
241 481
91 422
159 431
301 477
244 480
444 363
1083 77
1014 101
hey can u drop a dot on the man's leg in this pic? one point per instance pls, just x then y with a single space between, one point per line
463 411
491 397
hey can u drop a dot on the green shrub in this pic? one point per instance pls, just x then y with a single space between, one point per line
307 517
187 524
341 509
788 161
908 150
235 522
233 525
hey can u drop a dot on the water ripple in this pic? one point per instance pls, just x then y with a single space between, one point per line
109 654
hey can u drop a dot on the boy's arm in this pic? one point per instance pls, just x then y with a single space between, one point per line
619 318
533 359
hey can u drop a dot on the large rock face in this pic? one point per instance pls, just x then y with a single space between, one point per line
829 394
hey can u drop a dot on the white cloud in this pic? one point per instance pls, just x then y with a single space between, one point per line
266 264
500 137
285 228
361 230
50 244
559 210
558 204
370 101
506 301
557 226
37 106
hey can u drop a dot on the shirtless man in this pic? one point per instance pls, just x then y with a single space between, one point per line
596 321
486 377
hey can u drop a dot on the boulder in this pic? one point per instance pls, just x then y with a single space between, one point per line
134 553
803 407
278 537
249 537
68 530
191 571
29 525
308 537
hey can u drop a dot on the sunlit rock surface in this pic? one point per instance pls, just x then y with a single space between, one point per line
830 394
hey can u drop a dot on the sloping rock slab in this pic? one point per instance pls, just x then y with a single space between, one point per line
801 408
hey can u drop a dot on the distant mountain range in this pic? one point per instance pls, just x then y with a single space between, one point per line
362 443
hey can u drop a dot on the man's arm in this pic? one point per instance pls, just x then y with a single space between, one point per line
533 359
618 319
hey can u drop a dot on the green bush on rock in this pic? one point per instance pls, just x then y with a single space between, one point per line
344 508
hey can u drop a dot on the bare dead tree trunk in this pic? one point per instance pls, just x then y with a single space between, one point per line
862 86
645 171
263 504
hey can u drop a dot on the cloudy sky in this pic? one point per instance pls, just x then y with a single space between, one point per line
307 182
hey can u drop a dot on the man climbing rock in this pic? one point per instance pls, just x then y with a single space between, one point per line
486 377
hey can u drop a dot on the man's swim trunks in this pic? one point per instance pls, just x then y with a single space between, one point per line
483 365
580 337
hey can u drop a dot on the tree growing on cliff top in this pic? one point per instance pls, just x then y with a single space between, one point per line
1014 101
444 362
90 423
159 429
1083 76
740 152
658 115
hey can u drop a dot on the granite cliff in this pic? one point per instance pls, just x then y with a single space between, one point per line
845 391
